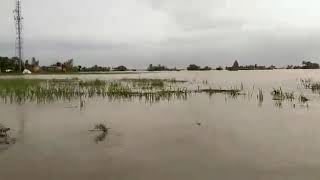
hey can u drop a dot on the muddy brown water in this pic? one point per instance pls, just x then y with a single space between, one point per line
236 139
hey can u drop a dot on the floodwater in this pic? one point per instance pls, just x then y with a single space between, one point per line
202 137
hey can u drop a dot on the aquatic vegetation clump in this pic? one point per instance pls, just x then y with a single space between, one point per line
4 136
117 89
149 84
3 130
181 94
101 127
104 132
280 95
309 84
260 97
289 95
17 90
232 92
303 99
96 82
306 83
150 90
315 86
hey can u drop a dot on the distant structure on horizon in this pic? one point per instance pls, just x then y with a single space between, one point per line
18 23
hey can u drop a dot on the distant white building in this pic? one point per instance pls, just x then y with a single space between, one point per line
26 71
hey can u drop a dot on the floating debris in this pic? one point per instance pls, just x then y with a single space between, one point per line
3 129
4 138
101 127
104 132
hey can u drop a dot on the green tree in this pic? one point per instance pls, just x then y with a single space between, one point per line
121 68
193 67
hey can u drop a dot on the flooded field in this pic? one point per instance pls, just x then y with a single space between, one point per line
244 125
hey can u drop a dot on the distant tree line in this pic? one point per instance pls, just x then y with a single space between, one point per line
236 67
120 68
9 64
305 65
193 67
94 68
159 67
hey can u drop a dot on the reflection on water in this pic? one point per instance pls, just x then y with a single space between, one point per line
100 137
278 103
21 119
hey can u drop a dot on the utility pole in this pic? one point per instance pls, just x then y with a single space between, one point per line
18 23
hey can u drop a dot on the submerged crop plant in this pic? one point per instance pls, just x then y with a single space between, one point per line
151 90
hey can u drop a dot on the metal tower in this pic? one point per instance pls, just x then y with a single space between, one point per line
18 22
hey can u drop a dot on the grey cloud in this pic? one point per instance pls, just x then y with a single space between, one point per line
199 15
172 32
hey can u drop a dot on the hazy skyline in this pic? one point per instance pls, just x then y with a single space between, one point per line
171 32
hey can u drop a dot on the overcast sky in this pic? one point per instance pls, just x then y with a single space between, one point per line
170 32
